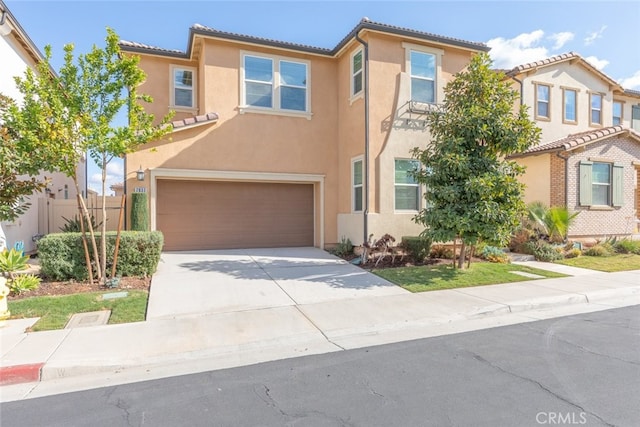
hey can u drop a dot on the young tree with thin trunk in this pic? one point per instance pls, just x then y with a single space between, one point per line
66 115
473 193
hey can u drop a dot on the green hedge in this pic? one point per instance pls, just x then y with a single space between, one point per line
417 247
62 256
139 212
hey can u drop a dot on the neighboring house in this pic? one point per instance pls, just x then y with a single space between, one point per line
281 144
118 189
17 53
589 155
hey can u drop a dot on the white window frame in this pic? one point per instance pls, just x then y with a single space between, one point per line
396 184
591 109
353 73
539 116
354 185
613 109
438 83
607 185
172 89
564 105
276 85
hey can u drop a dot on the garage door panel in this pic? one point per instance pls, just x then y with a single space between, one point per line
216 215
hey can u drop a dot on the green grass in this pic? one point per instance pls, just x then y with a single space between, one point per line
426 278
621 262
55 311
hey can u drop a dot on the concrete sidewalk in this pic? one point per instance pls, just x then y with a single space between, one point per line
46 362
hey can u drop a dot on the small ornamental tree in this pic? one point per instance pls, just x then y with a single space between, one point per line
473 193
66 115
139 212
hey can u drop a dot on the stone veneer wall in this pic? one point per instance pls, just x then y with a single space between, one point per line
604 221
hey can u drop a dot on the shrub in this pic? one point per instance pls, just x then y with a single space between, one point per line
441 251
139 212
344 247
62 255
627 246
73 225
573 253
601 249
493 254
418 248
23 283
544 251
10 263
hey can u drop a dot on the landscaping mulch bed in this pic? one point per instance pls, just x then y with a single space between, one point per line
47 288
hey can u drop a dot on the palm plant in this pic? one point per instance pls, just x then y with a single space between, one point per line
553 222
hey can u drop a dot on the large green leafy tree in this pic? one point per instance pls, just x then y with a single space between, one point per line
66 115
473 193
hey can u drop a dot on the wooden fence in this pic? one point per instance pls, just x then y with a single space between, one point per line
52 212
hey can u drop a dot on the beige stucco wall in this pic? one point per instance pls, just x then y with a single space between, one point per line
249 142
572 76
536 178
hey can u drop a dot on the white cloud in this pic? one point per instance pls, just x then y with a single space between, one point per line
524 48
598 63
595 35
632 82
560 39
115 167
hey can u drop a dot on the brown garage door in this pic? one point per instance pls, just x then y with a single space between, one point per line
222 215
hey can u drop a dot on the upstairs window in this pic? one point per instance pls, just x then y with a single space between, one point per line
182 87
543 100
356 73
570 97
407 189
635 117
596 109
275 83
423 77
617 113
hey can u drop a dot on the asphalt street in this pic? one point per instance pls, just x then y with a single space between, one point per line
577 370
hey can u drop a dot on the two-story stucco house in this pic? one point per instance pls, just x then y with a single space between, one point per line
589 155
280 144
17 53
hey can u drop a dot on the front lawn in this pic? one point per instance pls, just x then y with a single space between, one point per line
620 262
426 278
55 311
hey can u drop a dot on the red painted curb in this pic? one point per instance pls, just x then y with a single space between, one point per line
20 374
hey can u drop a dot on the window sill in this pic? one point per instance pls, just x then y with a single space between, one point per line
542 119
405 212
183 109
601 208
272 112
357 96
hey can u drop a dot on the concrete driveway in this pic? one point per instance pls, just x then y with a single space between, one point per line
222 281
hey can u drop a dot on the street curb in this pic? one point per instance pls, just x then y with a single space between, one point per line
20 373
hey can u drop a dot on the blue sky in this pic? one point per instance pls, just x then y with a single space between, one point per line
606 33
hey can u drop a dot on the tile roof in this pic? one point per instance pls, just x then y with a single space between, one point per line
579 139
561 58
195 120
135 46
364 24
632 92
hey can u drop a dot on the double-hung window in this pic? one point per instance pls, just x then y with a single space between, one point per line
356 182
182 87
570 111
617 113
596 109
357 73
407 189
274 83
601 183
423 77
543 101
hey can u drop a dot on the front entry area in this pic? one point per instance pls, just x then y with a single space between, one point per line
195 215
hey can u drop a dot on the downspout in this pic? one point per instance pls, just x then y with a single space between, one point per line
366 138
521 89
